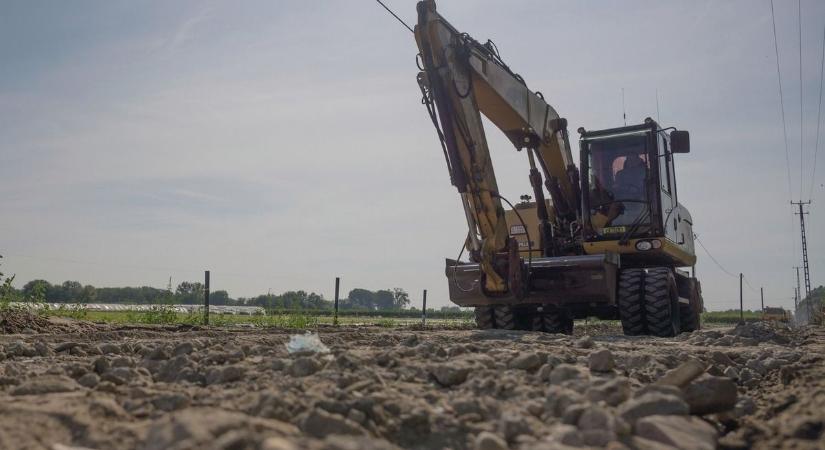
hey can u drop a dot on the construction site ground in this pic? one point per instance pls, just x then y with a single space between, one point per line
70 384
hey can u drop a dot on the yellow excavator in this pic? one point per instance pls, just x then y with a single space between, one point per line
611 239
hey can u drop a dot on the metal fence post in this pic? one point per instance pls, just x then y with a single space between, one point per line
337 285
741 310
206 297
424 310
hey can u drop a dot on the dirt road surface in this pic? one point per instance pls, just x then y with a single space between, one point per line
74 385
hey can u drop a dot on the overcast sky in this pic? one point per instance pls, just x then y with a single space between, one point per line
281 144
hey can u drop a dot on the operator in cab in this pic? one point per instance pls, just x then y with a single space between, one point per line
621 202
630 181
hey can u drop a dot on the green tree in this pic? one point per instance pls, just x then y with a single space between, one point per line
400 298
36 290
361 299
316 301
219 298
384 299
7 291
189 293
88 294
69 291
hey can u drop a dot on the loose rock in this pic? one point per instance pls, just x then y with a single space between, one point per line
687 433
650 404
304 366
46 384
449 374
490 441
710 394
320 423
601 361
227 374
526 361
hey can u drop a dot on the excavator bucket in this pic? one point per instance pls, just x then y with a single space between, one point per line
560 281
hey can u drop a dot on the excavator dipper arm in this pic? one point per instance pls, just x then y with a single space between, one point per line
461 79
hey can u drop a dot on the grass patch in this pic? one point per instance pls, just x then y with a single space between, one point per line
77 312
164 315
387 323
730 317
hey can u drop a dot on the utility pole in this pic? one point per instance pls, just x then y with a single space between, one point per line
741 310
798 291
801 215
795 299
762 297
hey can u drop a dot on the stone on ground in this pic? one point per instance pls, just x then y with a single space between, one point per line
682 432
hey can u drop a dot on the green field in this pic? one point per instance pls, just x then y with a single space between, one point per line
292 319
730 317
161 315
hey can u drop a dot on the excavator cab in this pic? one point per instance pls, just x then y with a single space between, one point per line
629 196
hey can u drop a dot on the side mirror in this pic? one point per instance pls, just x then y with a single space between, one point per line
679 142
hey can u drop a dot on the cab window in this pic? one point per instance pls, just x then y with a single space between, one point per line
618 174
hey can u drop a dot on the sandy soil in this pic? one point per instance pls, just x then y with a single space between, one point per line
74 385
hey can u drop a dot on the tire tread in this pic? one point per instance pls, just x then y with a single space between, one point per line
631 302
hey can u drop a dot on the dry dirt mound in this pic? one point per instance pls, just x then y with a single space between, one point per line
21 320
162 388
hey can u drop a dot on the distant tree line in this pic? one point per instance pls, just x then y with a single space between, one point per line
190 293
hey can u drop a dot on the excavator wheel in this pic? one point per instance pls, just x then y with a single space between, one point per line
661 303
689 319
537 321
631 301
557 321
484 317
505 317
689 314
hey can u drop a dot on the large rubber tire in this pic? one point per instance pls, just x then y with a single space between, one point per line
551 320
557 321
537 321
688 318
505 317
631 301
690 314
661 303
484 317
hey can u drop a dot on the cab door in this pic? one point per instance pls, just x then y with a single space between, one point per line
676 220
666 191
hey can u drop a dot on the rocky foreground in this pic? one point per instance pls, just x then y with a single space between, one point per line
101 387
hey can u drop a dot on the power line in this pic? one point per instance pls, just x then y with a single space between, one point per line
818 116
394 15
784 124
801 114
748 283
696 237
782 104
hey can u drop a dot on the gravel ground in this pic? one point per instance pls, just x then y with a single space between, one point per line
74 385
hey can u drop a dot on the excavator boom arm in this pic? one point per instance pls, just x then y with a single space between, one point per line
461 79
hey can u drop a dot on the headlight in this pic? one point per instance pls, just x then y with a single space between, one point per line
656 243
643 246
